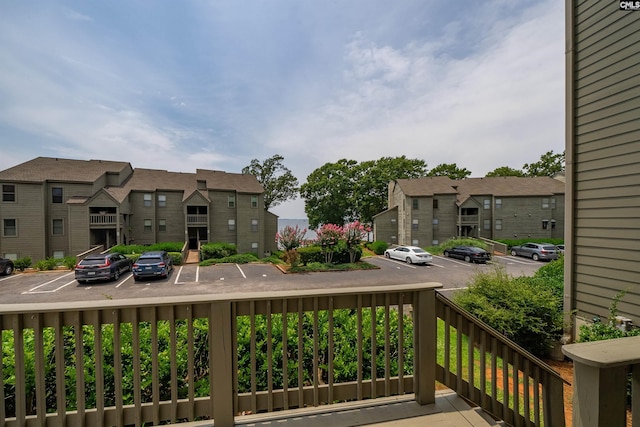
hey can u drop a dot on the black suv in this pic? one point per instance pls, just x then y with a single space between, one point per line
102 267
152 264
6 266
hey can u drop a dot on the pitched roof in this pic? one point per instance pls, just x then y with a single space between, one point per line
503 186
240 182
43 169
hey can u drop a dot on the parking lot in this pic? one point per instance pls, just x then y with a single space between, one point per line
61 286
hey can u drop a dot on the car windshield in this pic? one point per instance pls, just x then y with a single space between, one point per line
419 251
154 260
549 248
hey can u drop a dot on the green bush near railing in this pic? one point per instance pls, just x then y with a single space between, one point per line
345 362
138 249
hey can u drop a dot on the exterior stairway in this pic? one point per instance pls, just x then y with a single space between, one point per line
193 257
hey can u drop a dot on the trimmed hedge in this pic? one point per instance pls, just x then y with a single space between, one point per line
217 250
138 249
314 253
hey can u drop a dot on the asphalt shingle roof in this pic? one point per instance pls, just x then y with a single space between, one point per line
43 169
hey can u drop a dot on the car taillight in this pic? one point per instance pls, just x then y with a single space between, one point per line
162 264
135 265
79 267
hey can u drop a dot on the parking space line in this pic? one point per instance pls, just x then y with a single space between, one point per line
10 276
520 261
455 261
48 292
177 281
197 273
47 283
122 281
241 272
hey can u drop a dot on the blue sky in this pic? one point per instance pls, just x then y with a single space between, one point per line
180 85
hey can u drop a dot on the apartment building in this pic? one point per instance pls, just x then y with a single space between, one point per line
58 207
602 154
428 211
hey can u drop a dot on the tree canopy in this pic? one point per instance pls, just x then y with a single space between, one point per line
505 171
548 165
451 170
346 191
279 183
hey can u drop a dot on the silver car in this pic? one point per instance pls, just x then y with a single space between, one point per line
410 254
536 251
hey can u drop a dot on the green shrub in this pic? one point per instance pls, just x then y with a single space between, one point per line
310 254
69 262
606 330
233 259
22 263
176 257
217 250
138 249
47 264
378 247
520 308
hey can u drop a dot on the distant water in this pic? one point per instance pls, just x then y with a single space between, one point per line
301 223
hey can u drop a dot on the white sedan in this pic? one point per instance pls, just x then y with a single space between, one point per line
410 254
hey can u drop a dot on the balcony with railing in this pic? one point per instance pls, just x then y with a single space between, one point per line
221 357
197 219
100 219
468 219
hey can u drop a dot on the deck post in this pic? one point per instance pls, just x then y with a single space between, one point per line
425 347
221 364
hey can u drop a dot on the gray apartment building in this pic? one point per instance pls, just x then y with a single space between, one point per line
53 207
428 211
603 158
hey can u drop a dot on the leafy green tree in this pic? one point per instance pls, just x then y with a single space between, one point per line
279 183
505 171
451 170
548 165
348 191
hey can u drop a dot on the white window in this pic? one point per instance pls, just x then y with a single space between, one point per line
57 227
498 203
545 224
10 227
58 254
414 204
553 203
414 224
254 225
254 201
435 242
231 201
254 246
162 225
162 200
232 224
435 221
415 242
545 203
394 238
486 203
498 224
393 220
487 224
147 199
147 225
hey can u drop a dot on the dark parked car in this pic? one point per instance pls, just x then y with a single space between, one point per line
468 253
102 267
6 266
152 264
536 251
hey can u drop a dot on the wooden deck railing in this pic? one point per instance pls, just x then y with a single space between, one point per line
183 359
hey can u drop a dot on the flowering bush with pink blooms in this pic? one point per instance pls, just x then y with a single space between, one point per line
354 233
290 238
328 237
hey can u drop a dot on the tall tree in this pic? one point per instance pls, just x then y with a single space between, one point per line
548 165
279 183
449 169
347 191
505 171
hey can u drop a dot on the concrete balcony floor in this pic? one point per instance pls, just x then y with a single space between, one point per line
449 410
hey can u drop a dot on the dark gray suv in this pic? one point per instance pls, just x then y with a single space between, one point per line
102 267
152 264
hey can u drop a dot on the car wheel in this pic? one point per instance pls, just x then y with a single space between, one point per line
116 274
467 258
409 260
514 253
386 254
446 253
8 270
535 257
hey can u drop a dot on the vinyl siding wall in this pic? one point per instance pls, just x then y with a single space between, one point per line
30 214
603 154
